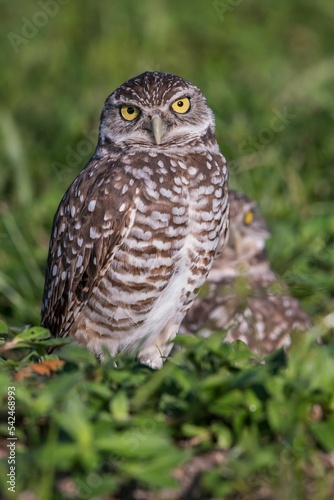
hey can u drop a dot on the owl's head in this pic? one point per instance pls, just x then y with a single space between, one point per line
155 110
247 226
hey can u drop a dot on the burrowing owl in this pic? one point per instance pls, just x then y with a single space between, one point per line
136 232
242 292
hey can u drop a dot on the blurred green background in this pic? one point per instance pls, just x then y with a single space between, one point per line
267 70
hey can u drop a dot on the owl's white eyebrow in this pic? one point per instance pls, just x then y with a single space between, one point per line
128 103
180 96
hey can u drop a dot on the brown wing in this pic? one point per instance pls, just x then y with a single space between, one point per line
92 220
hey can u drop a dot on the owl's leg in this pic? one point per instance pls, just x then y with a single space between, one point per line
86 335
154 354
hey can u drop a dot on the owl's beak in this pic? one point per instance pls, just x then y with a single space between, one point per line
157 128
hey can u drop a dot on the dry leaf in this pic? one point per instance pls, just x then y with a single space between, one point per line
44 368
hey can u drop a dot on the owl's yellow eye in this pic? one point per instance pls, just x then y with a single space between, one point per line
181 105
248 218
129 113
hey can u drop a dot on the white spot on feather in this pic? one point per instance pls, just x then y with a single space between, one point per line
79 261
178 210
137 232
166 192
91 205
93 233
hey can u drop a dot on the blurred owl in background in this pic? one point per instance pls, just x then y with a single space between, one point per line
242 292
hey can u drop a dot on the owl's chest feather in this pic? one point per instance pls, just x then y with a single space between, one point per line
171 244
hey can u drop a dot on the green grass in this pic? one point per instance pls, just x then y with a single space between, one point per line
99 430
267 71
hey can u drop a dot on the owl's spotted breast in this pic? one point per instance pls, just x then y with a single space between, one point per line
136 233
165 256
